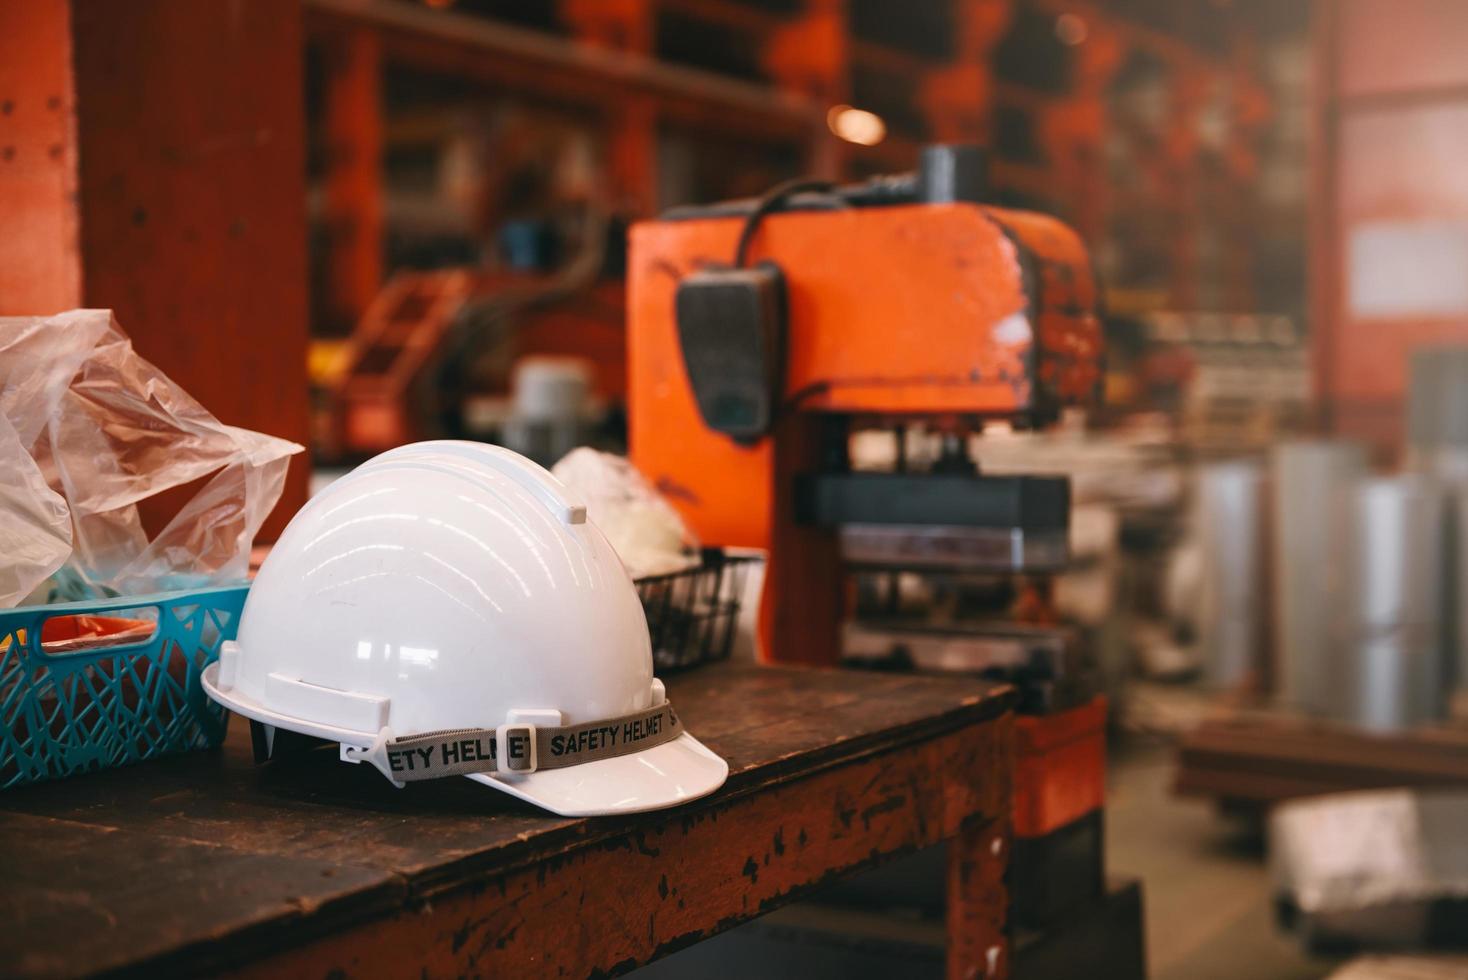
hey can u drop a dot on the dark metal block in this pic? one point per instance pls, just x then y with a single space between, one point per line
1035 503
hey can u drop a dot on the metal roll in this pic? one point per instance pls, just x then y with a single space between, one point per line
1437 446
1306 476
1229 524
1437 412
1388 564
1455 602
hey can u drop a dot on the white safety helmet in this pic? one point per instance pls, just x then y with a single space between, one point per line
447 609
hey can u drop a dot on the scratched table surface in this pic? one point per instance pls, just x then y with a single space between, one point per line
204 860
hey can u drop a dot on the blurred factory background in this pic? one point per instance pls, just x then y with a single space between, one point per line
512 138
1269 516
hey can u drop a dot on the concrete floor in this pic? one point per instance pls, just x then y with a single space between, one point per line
1207 895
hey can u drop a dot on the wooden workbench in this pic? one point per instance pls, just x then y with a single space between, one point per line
307 867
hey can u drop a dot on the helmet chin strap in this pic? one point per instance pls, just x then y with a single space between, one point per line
515 749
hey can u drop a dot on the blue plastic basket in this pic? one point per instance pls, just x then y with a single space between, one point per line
63 713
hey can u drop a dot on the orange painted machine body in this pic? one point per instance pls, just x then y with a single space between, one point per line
939 310
1060 768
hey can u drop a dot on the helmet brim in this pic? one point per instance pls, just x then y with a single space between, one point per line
665 775
662 776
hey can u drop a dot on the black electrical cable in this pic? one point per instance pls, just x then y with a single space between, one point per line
771 201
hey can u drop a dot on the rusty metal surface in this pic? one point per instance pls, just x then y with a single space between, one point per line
977 906
604 910
207 861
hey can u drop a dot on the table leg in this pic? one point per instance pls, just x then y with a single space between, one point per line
978 901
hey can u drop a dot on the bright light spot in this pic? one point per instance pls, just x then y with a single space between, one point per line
1071 29
1013 330
418 656
438 4
856 125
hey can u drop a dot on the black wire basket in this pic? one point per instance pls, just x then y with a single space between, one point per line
693 615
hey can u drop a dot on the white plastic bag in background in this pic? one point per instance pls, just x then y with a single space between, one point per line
643 528
89 428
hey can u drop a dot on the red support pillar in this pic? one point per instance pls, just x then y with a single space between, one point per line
632 135
40 264
1073 130
632 157
812 56
353 184
152 161
959 98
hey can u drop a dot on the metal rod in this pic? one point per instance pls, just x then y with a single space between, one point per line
521 45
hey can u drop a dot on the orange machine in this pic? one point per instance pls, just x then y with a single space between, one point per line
763 334
901 299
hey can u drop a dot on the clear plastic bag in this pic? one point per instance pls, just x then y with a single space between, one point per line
646 532
88 429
